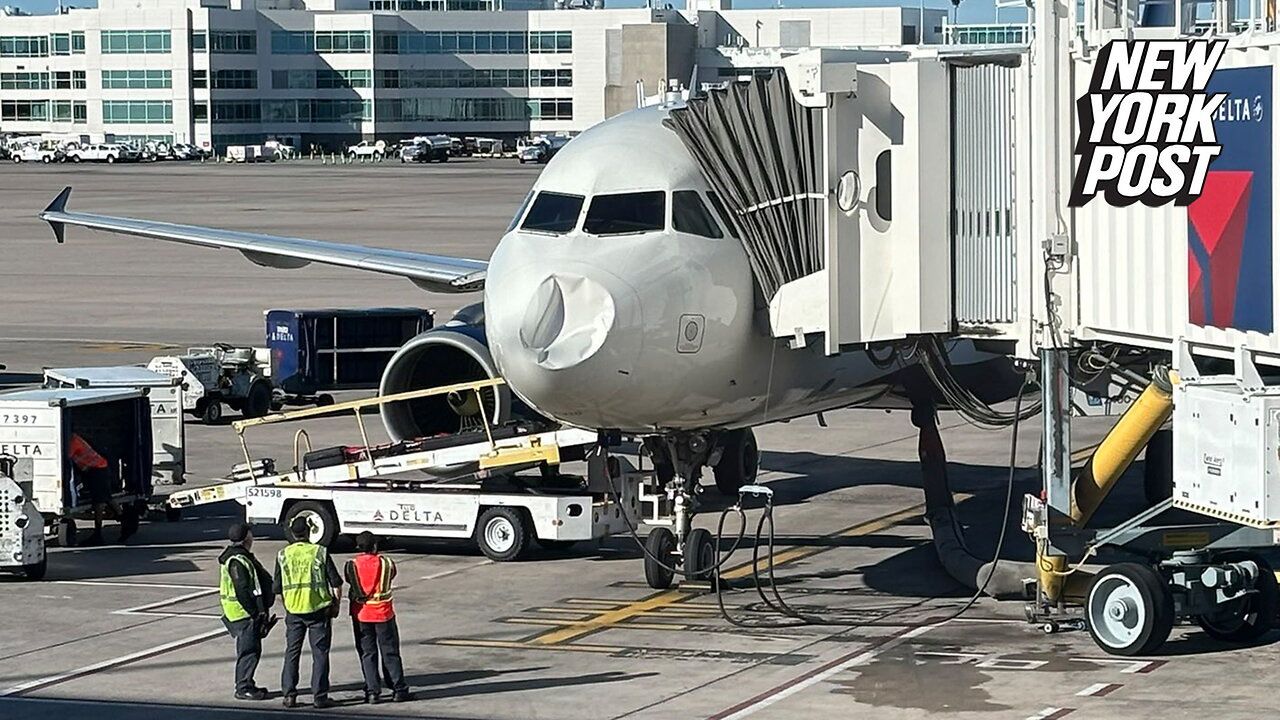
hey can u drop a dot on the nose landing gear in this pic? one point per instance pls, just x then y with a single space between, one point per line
679 459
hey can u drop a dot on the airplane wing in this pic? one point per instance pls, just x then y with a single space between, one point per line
436 273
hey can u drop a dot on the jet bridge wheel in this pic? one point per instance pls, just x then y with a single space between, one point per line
1129 609
659 550
739 461
1249 618
502 534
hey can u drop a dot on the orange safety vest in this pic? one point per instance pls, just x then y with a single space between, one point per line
84 456
373 576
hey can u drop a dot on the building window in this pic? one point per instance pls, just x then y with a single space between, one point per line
80 111
550 78
77 43
456 109
316 111
436 5
199 41
144 139
325 79
137 112
239 42
62 80
200 111
144 42
61 110
60 43
239 111
235 79
199 78
27 80
473 43
78 80
24 46
550 109
302 43
24 110
136 79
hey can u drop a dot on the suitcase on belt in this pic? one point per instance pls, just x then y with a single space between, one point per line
328 457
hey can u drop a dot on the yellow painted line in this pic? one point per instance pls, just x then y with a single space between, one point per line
514 645
584 612
587 601
627 625
671 597
798 553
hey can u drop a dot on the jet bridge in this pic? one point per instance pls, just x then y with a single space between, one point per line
883 195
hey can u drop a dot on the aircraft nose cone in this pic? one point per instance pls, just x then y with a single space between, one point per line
567 321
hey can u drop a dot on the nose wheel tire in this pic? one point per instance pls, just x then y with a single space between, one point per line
739 461
699 554
1250 617
1129 610
660 549
323 525
502 534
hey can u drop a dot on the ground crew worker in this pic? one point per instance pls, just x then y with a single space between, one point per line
307 581
97 480
373 619
246 605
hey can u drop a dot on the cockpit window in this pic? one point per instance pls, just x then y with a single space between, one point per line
553 213
520 213
689 214
626 213
723 211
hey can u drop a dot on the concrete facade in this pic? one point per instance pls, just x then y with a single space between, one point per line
218 72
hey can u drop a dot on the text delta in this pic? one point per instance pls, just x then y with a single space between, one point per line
1146 124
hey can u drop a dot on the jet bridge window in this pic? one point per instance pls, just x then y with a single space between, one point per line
690 215
624 213
553 213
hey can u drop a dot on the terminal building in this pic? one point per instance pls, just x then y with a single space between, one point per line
330 72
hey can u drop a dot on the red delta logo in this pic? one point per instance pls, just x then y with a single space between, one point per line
1147 123
1229 226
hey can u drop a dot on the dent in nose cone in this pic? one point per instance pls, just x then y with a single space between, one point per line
568 320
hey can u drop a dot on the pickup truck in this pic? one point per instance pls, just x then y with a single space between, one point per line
34 153
367 149
107 153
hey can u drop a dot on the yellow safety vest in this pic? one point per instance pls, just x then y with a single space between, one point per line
232 610
303 579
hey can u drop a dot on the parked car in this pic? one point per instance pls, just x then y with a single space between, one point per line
283 150
368 149
34 153
103 152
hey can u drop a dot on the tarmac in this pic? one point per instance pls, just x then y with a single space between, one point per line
132 631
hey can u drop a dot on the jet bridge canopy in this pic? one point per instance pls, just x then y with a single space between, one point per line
836 170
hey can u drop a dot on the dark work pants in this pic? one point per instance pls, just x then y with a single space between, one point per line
318 626
376 641
248 651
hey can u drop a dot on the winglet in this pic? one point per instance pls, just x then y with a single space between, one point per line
58 206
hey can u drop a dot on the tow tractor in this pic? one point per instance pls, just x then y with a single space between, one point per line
462 485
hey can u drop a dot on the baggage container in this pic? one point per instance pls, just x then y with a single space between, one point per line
338 349
168 431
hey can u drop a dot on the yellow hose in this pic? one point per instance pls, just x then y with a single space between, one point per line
1114 455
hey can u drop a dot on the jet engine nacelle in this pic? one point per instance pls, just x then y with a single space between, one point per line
456 352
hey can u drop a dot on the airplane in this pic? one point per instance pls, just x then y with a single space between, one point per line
599 313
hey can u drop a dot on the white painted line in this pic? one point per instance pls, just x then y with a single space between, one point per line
108 583
1046 713
454 571
1093 689
156 614
163 603
855 661
112 663
179 711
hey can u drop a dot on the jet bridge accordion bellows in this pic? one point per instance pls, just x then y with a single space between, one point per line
760 150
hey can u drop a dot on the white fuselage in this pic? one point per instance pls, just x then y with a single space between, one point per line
645 331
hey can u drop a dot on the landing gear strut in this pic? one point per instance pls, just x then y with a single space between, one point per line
678 460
